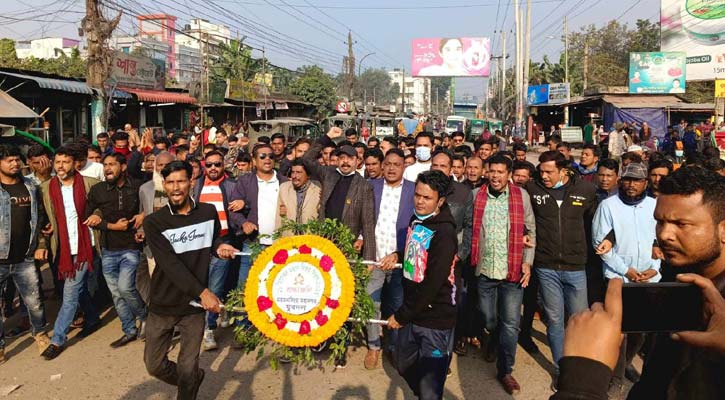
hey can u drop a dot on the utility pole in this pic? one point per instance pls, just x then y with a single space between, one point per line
98 30
402 92
566 67
350 67
519 70
586 62
264 79
503 77
527 58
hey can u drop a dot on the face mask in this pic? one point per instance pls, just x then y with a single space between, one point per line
679 153
422 153
424 217
557 185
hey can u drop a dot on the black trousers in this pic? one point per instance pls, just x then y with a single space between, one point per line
184 373
422 356
531 297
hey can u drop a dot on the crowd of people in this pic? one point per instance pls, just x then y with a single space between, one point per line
151 222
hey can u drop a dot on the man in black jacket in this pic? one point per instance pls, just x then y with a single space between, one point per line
182 237
428 313
564 207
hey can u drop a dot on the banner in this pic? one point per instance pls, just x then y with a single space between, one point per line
138 72
536 95
720 88
657 72
451 57
241 90
558 93
696 27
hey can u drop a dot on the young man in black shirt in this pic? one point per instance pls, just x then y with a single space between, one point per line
117 199
18 229
182 237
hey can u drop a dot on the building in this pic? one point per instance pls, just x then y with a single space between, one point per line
161 28
417 92
46 47
199 32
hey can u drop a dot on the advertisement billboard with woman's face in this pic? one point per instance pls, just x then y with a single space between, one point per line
451 57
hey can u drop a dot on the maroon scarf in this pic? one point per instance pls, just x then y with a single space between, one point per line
66 267
516 232
125 151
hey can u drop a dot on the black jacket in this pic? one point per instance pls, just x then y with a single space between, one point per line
561 230
115 203
431 302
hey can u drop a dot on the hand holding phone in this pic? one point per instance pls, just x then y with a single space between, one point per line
661 307
714 307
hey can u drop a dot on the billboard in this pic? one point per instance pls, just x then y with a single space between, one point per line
138 72
696 27
558 93
720 88
537 95
657 72
451 57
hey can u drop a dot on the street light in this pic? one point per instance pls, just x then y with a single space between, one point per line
359 65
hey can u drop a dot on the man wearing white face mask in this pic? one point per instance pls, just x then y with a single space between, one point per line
423 153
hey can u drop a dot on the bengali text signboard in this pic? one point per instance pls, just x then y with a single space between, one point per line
138 72
657 72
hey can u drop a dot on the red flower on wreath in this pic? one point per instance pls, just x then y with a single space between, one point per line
305 249
326 263
280 257
280 321
304 328
321 318
332 303
264 303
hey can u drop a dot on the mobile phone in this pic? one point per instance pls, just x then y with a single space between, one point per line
661 307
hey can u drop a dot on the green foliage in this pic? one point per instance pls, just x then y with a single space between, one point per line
377 82
313 85
234 61
73 66
363 309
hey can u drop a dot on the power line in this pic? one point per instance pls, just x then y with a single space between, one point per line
388 8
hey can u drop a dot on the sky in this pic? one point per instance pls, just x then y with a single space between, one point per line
299 32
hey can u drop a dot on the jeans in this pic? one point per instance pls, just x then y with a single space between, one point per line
563 293
393 281
26 281
217 275
500 302
531 303
245 265
119 270
422 356
75 292
184 373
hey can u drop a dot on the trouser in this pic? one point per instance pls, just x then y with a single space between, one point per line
631 344
500 303
469 319
380 280
184 373
531 303
217 276
563 293
25 278
245 264
143 276
422 356
75 293
119 269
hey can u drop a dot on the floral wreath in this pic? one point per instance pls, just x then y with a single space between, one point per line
300 291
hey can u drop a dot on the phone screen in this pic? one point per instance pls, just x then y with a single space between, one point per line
661 307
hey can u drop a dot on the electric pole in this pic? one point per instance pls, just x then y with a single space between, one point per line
264 78
98 30
402 92
586 62
519 70
503 77
527 58
350 67
566 67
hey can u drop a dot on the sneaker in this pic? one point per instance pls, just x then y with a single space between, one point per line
43 341
142 331
510 384
21 329
208 343
371 359
52 352
632 374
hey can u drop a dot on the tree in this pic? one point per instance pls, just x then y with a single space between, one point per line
234 61
375 82
8 56
439 87
313 85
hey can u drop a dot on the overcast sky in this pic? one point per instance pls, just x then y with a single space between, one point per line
316 30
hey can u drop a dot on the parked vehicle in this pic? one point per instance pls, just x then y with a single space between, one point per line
455 123
292 128
342 121
384 126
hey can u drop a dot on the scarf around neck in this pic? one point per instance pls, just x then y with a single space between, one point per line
631 201
67 268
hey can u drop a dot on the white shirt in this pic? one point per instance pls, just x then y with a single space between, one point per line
411 173
93 169
267 202
385 228
71 218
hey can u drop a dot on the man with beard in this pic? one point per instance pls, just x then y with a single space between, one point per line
134 159
117 199
71 244
629 216
299 198
182 237
690 216
214 188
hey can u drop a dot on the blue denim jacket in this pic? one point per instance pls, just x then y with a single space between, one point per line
5 224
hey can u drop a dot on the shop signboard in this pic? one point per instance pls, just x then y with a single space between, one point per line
657 72
138 72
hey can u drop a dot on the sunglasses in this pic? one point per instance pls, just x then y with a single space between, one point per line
262 156
215 164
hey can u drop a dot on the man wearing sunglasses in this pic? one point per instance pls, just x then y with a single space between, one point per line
215 188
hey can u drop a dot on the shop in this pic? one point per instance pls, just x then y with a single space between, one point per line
150 108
